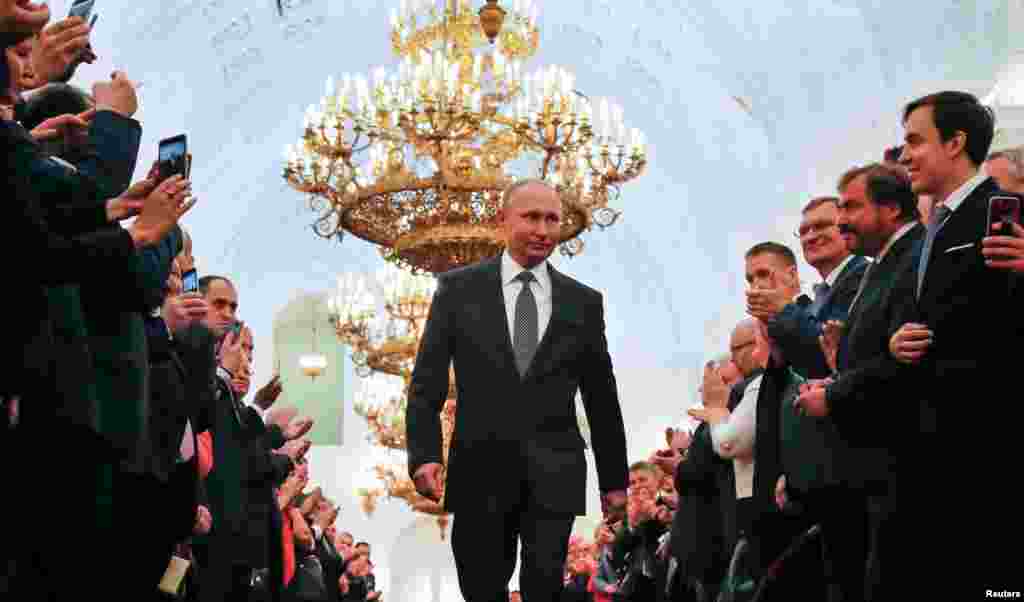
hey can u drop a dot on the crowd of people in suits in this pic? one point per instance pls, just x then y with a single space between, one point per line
851 445
125 391
827 460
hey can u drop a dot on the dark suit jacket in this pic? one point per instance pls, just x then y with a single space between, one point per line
964 303
103 312
333 566
796 328
975 314
525 425
867 371
52 363
704 528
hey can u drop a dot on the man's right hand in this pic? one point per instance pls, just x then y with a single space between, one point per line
19 16
117 95
163 205
910 343
714 391
296 449
57 47
428 481
181 310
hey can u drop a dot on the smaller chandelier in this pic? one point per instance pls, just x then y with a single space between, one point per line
313 364
382 341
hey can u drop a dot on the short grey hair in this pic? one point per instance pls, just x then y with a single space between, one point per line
506 194
1015 156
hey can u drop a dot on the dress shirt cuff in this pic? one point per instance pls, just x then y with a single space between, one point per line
225 374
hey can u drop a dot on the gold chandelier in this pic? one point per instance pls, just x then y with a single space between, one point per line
415 161
384 347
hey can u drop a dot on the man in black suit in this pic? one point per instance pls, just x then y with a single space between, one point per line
523 337
967 317
704 529
879 217
796 326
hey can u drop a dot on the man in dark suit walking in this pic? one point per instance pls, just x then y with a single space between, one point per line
967 317
879 217
523 338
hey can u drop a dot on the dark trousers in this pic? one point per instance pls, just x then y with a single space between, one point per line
484 545
60 486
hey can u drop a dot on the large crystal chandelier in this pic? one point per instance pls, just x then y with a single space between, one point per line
415 159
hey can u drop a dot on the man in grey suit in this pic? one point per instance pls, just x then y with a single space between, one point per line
523 338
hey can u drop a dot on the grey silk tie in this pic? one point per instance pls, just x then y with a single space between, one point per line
938 217
524 341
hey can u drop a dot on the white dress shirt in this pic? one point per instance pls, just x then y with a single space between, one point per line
830 280
958 196
541 288
734 439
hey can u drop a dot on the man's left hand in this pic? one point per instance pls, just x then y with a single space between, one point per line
667 459
1005 252
298 428
58 47
613 505
812 400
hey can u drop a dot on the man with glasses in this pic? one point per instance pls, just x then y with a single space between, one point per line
796 326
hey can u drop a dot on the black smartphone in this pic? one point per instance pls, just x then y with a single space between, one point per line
171 156
190 282
1005 210
81 8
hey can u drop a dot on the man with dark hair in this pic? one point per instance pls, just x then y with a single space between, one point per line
878 218
959 301
222 298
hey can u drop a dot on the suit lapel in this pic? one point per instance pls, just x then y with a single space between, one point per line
496 316
960 227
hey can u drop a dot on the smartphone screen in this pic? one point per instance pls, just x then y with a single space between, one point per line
1005 209
190 282
172 156
81 8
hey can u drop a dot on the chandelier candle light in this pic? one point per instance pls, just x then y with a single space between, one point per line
415 159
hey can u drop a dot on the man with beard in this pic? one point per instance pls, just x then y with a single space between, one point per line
878 217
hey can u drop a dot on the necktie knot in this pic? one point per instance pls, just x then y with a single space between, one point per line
526 277
822 288
939 215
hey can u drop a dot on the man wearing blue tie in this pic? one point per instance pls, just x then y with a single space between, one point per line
795 324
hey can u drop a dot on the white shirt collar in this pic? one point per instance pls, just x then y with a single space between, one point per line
895 236
957 198
510 268
834 274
